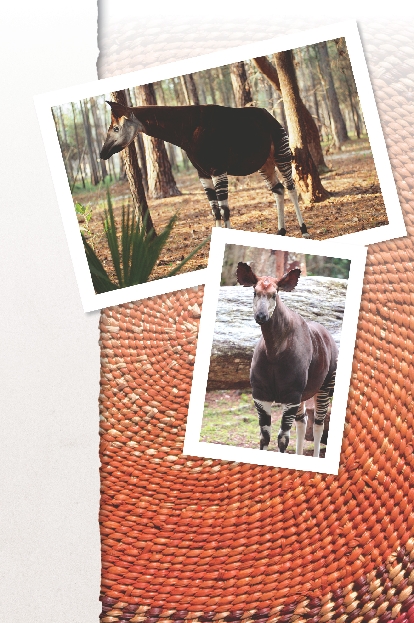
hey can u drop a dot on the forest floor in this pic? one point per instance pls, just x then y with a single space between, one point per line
230 418
355 204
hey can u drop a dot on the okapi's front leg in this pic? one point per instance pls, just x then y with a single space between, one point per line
208 185
283 160
221 186
321 409
301 422
265 421
290 412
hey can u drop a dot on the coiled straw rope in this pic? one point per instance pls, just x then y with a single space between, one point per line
190 539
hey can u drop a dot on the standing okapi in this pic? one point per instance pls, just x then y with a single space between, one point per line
294 360
219 141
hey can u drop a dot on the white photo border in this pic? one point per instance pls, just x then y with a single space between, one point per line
45 102
192 444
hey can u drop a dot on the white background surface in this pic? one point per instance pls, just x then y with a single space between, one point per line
49 356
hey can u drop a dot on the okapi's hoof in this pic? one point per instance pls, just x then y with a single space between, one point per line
304 231
282 442
281 232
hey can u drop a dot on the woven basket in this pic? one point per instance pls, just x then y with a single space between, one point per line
207 540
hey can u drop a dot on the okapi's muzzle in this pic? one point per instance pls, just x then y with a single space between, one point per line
261 318
109 149
263 308
122 131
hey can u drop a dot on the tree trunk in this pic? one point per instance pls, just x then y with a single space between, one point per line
90 144
210 83
222 85
68 154
311 129
80 155
306 173
161 182
241 87
201 90
100 138
337 121
192 89
185 90
130 160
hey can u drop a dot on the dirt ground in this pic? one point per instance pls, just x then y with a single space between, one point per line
230 418
355 204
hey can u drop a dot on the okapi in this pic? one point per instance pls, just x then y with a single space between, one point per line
219 141
294 360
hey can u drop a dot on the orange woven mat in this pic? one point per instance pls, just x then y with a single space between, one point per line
206 540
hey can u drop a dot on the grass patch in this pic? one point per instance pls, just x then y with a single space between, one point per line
230 418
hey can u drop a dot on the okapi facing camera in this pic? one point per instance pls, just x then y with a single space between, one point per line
219 141
294 360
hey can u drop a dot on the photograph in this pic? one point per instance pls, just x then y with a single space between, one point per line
279 142
273 364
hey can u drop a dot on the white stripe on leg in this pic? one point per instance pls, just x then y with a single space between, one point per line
317 436
301 430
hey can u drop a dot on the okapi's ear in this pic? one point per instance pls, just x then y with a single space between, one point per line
289 280
245 275
119 110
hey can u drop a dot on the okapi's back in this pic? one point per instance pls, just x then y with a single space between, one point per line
233 140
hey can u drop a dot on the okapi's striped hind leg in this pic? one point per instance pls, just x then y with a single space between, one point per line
290 412
265 421
221 186
283 160
208 185
321 409
272 182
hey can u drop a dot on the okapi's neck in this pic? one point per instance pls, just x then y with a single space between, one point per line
169 123
276 331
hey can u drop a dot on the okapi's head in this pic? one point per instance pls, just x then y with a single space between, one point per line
122 131
265 289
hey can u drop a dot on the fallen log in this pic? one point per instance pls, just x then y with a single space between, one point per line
236 333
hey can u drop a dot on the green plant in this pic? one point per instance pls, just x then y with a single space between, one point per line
135 255
86 213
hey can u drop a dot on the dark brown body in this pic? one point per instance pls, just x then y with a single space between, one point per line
217 139
294 369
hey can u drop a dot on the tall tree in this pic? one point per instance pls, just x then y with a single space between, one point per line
99 134
161 182
348 78
139 145
179 98
222 86
210 83
306 173
93 160
80 153
311 130
130 160
339 131
241 86
159 93
192 90
185 90
68 158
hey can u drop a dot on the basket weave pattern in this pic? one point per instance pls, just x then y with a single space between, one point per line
190 539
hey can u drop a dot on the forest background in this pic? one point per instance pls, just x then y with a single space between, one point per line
311 91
